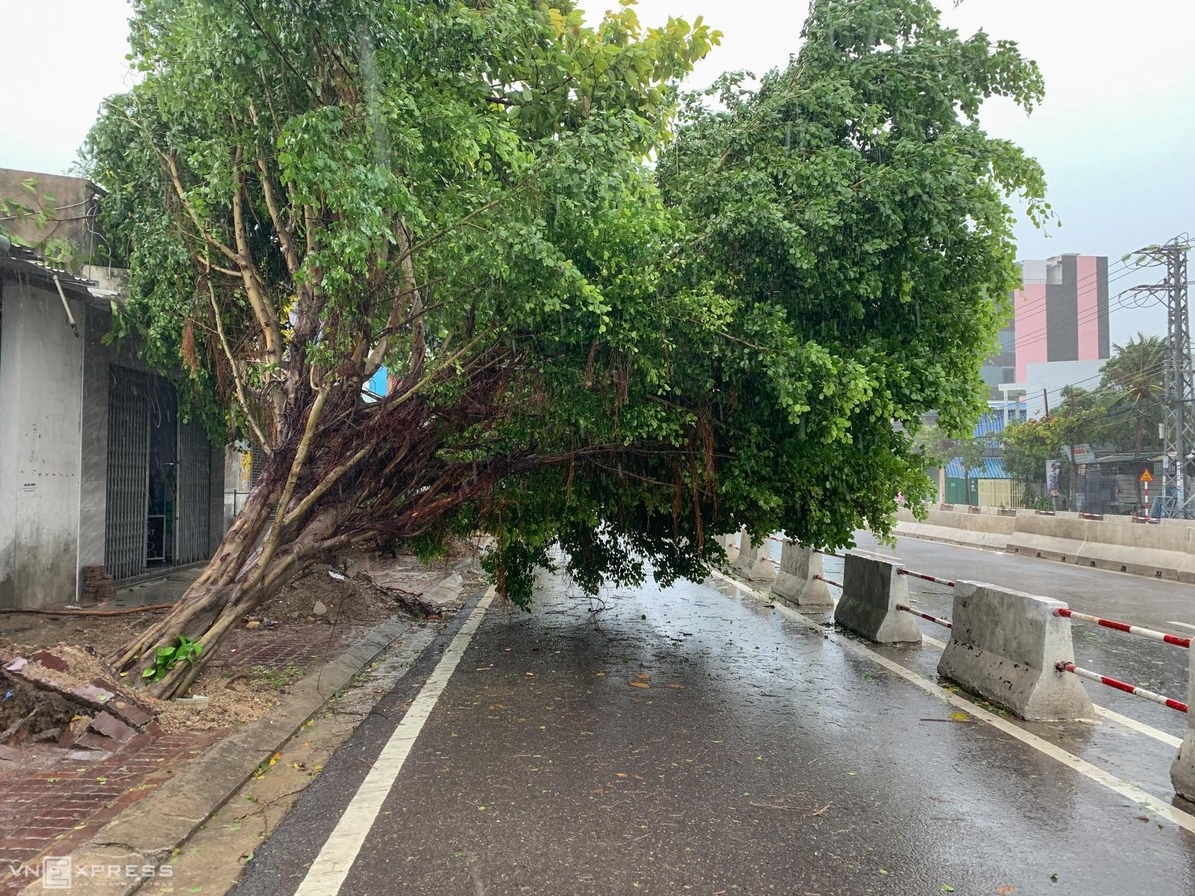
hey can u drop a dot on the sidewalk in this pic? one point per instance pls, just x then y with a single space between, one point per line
55 800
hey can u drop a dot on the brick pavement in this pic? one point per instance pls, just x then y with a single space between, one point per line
50 802
307 646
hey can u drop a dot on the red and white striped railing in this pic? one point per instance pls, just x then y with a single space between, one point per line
1063 666
1176 640
920 575
944 622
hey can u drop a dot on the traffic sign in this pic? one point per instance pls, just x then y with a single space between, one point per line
1146 476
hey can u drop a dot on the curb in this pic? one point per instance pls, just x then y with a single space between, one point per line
130 848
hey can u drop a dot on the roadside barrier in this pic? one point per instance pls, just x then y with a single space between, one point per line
928 578
1121 685
1176 640
1182 772
730 544
872 588
1004 645
946 623
799 579
1010 648
753 561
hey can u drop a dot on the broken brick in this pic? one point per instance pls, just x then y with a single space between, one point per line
110 726
91 693
92 741
130 712
50 661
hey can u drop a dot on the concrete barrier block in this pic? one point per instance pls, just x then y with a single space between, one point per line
871 589
1182 772
1048 536
754 561
796 581
1003 648
730 544
947 533
1154 551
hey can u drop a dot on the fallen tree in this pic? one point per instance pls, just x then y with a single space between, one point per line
455 193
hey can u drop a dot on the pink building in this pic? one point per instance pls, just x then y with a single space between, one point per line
1059 314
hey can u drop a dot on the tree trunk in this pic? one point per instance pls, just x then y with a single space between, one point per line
239 578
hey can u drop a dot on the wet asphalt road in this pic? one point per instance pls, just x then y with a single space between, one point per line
697 740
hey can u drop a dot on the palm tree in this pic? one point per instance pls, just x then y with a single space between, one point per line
1134 375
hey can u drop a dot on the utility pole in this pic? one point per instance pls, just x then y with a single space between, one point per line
1180 374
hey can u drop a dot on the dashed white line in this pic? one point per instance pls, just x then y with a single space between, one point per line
1182 624
327 873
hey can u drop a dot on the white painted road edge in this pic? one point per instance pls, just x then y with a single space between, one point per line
1147 801
327 873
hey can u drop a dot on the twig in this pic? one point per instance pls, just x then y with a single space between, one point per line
123 611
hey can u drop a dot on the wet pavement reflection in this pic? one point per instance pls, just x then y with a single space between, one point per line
698 739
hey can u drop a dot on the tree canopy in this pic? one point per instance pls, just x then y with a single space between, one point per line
854 217
584 349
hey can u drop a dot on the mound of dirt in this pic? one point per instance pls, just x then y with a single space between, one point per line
306 624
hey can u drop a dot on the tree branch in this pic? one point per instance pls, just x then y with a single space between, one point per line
263 310
236 376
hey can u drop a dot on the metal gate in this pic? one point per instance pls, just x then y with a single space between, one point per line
125 523
194 494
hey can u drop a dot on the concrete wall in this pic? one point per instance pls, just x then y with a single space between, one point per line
72 219
54 444
40 444
1165 551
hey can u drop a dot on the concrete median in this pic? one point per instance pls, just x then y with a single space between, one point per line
1003 648
1051 537
989 529
797 580
1157 551
871 589
754 562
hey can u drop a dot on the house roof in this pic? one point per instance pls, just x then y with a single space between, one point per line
25 263
989 468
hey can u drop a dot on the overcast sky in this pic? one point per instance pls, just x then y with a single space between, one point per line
1116 133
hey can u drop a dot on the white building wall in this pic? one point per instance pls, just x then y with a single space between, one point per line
40 443
1051 377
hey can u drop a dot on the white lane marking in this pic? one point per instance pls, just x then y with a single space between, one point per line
1140 727
330 868
1148 802
1183 624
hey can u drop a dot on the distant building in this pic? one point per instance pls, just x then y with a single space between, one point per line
1060 317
